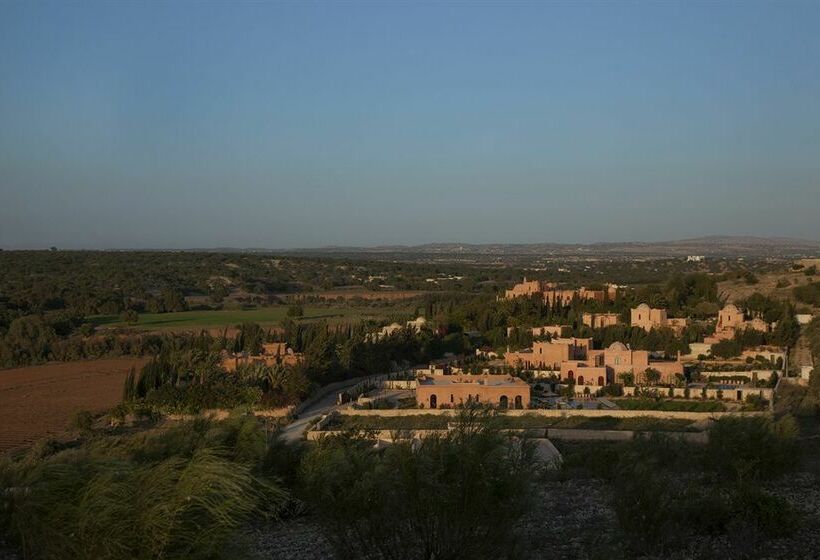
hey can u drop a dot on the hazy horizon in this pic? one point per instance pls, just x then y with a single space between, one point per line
408 245
184 125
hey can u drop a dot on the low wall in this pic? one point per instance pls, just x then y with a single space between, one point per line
564 434
553 413
223 413
381 381
332 388
574 434
385 435
407 384
697 392
571 434
761 374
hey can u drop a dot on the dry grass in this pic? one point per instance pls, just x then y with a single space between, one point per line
735 290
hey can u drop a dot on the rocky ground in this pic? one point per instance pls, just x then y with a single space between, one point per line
573 521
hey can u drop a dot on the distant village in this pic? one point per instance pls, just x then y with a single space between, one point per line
559 370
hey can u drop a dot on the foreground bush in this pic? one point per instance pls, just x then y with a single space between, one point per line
657 513
455 496
665 491
181 494
752 448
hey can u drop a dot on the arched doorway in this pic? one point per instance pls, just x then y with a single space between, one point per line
432 401
519 404
571 375
580 380
600 380
503 402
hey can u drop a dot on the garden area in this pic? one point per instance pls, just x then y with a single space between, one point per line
339 422
677 405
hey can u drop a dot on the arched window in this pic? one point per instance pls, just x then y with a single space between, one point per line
580 380
432 401
519 402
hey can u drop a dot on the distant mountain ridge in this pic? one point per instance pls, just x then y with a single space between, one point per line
707 246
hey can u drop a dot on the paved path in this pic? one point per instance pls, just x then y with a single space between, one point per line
294 430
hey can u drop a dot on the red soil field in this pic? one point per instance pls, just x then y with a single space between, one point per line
39 401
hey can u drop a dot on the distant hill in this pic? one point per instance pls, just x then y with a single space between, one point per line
722 246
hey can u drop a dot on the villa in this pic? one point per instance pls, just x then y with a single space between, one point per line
731 320
273 353
576 361
437 391
649 318
553 296
600 320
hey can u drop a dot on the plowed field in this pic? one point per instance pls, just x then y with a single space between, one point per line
39 401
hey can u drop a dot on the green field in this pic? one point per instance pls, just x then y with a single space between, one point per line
263 316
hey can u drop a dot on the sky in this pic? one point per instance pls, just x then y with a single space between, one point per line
307 124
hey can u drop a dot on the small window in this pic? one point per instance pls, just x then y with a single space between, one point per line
451 398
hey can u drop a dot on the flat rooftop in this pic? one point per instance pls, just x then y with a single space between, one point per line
483 380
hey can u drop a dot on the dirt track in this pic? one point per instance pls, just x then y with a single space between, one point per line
39 401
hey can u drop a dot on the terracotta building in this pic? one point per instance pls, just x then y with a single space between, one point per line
565 297
273 353
577 362
549 355
437 391
600 320
528 288
553 295
607 365
553 330
649 318
732 319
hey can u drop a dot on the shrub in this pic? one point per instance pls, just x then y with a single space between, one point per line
196 398
755 403
83 421
672 405
613 390
757 513
181 494
643 509
454 496
752 448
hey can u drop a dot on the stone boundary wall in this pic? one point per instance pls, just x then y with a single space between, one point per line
762 374
332 388
577 434
316 433
696 392
398 384
551 433
381 381
553 413
223 413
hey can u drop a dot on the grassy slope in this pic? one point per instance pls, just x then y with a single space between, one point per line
735 290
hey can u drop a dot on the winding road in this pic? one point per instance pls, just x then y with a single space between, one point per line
293 431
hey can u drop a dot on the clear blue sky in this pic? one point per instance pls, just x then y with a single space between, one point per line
180 124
